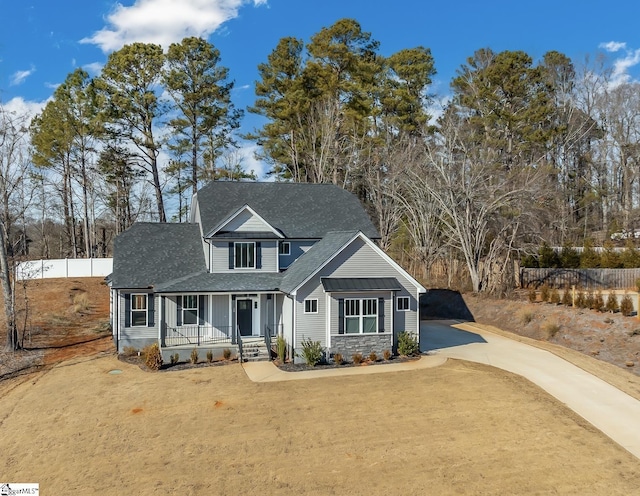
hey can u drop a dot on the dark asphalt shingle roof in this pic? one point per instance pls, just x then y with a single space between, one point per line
315 258
298 210
224 282
148 254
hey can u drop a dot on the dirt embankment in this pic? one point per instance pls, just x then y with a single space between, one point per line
58 319
609 337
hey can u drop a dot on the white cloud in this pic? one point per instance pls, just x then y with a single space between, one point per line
250 163
613 46
19 76
164 21
22 107
94 68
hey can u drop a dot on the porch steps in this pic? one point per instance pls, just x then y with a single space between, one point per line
255 352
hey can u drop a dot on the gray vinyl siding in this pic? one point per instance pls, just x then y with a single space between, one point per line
245 221
220 310
297 248
311 325
137 337
360 260
220 256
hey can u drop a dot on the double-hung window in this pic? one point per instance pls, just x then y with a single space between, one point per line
138 310
245 255
189 309
360 315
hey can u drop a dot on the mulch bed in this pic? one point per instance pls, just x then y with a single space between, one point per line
167 367
301 367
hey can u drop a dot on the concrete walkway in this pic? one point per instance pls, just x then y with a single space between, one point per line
607 408
268 372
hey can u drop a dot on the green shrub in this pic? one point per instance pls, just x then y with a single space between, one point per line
281 348
373 357
612 303
357 358
554 296
626 305
567 298
312 352
174 358
386 354
153 356
338 359
533 296
544 293
588 300
194 356
598 301
209 356
226 353
408 344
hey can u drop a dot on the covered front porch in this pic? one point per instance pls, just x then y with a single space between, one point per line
219 320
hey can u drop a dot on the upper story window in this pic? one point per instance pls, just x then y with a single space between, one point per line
139 310
245 255
284 248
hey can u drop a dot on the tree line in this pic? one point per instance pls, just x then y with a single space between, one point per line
522 152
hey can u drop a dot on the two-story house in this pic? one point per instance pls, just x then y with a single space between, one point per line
257 259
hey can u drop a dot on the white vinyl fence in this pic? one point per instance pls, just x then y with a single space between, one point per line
64 267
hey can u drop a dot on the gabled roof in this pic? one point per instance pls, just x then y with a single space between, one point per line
297 210
318 255
148 254
244 209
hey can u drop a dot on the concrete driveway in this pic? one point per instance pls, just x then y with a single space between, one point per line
607 408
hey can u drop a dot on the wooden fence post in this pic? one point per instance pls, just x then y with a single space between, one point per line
573 295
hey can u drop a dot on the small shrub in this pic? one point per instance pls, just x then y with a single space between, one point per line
81 302
634 332
544 293
533 296
130 351
312 352
153 357
567 298
174 358
580 300
281 348
551 329
588 300
338 359
527 317
386 354
626 305
357 358
612 303
598 302
194 356
209 356
554 296
226 353
373 357
408 344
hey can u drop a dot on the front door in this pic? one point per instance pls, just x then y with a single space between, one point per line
245 317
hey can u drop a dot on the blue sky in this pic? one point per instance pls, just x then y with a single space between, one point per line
42 41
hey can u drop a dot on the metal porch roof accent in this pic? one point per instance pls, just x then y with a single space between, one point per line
352 284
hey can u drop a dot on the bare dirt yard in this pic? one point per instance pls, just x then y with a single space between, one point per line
75 426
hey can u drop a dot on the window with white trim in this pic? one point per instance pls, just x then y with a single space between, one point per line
189 309
402 303
360 315
138 310
284 248
245 255
311 305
